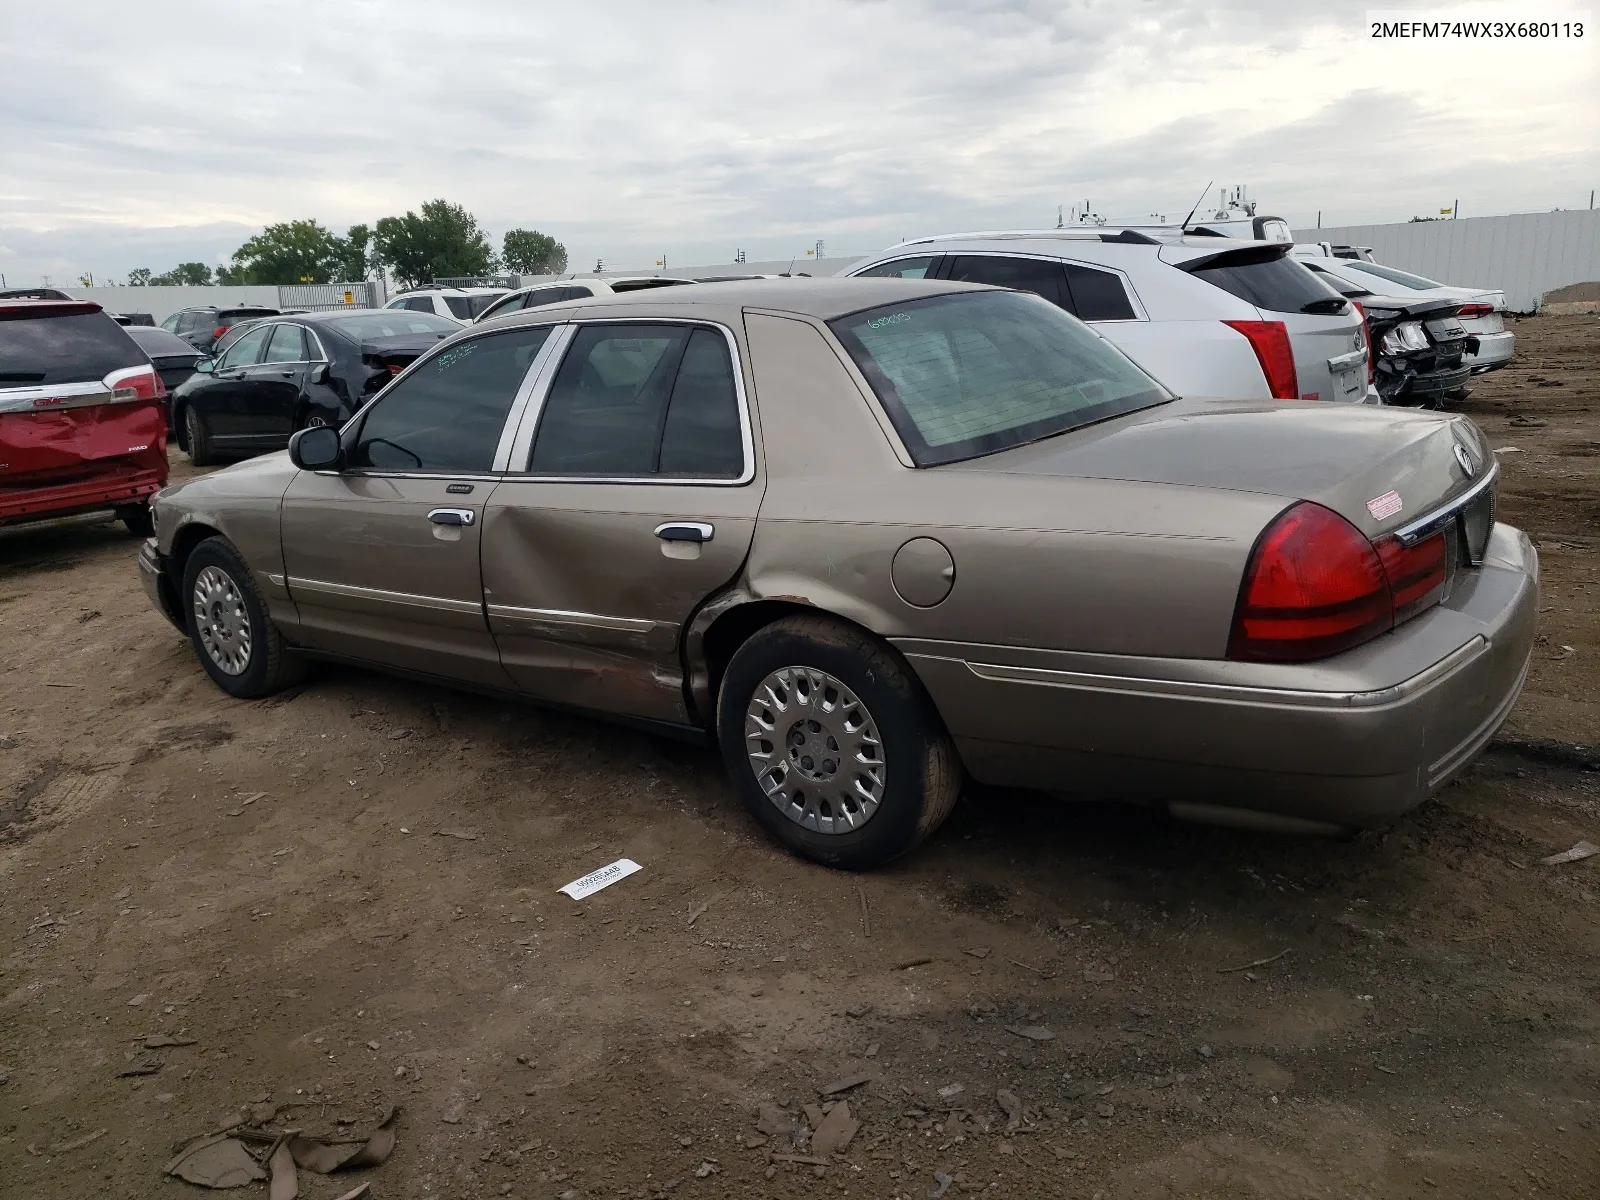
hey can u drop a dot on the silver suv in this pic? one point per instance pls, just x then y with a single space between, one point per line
1207 316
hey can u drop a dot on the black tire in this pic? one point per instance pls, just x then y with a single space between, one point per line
268 665
137 518
922 774
197 438
312 416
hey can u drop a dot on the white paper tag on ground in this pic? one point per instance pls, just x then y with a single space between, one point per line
604 877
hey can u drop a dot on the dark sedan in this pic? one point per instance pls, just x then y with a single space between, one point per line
287 374
173 357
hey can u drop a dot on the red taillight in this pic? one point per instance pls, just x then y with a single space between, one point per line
1417 574
1471 312
1316 587
395 368
219 331
1270 341
135 383
1366 336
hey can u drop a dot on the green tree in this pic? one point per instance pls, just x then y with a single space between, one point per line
355 254
529 252
290 252
444 239
191 274
139 277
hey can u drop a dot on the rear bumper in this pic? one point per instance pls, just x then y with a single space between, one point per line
85 495
1494 350
158 585
1350 742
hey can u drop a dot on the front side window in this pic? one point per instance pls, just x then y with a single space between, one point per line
977 372
900 268
246 350
1036 275
447 414
288 345
639 400
171 323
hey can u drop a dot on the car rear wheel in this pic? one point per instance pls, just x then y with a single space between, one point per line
833 745
236 642
198 439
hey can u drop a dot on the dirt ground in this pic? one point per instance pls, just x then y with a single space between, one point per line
346 897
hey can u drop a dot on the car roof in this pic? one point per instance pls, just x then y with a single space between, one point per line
152 338
47 308
824 298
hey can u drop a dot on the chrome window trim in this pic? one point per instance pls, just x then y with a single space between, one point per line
522 449
1412 533
529 396
557 616
383 596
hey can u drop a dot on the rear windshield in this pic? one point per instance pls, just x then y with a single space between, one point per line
467 307
1268 279
75 348
160 343
390 322
973 373
235 315
1403 278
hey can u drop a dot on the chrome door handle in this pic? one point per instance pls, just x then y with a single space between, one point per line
685 531
452 516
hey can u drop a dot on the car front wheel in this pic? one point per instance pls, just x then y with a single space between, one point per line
833 745
236 642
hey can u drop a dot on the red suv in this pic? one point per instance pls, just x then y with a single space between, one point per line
82 415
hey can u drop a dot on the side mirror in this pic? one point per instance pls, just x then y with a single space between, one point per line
204 366
315 449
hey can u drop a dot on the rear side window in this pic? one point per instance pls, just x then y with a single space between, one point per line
1403 278
543 296
1098 295
1265 278
448 413
1036 275
642 400
191 321
900 268
79 347
468 307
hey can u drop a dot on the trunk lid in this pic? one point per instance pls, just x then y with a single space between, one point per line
1379 468
386 357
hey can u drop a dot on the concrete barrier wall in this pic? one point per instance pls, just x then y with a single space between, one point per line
1525 255
162 302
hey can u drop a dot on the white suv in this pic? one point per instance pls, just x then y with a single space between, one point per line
1207 316
559 291
463 305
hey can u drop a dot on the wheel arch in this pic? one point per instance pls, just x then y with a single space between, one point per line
186 539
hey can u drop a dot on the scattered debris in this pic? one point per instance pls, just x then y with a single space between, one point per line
218 1161
1578 853
1039 971
285 1183
1260 962
360 1192
604 877
1523 421
326 1157
1207 1052
1011 1106
157 1041
803 1159
848 1082
697 912
138 1000
1508 450
1034 1033
462 835
866 919
908 963
858 1010
772 1120
705 1170
148 1065
1097 975
77 1143
941 1184
951 1091
978 951
837 1129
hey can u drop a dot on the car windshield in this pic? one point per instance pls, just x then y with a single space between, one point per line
1403 278
390 322
977 372
467 307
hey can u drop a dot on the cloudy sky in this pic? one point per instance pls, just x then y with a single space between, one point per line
145 134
